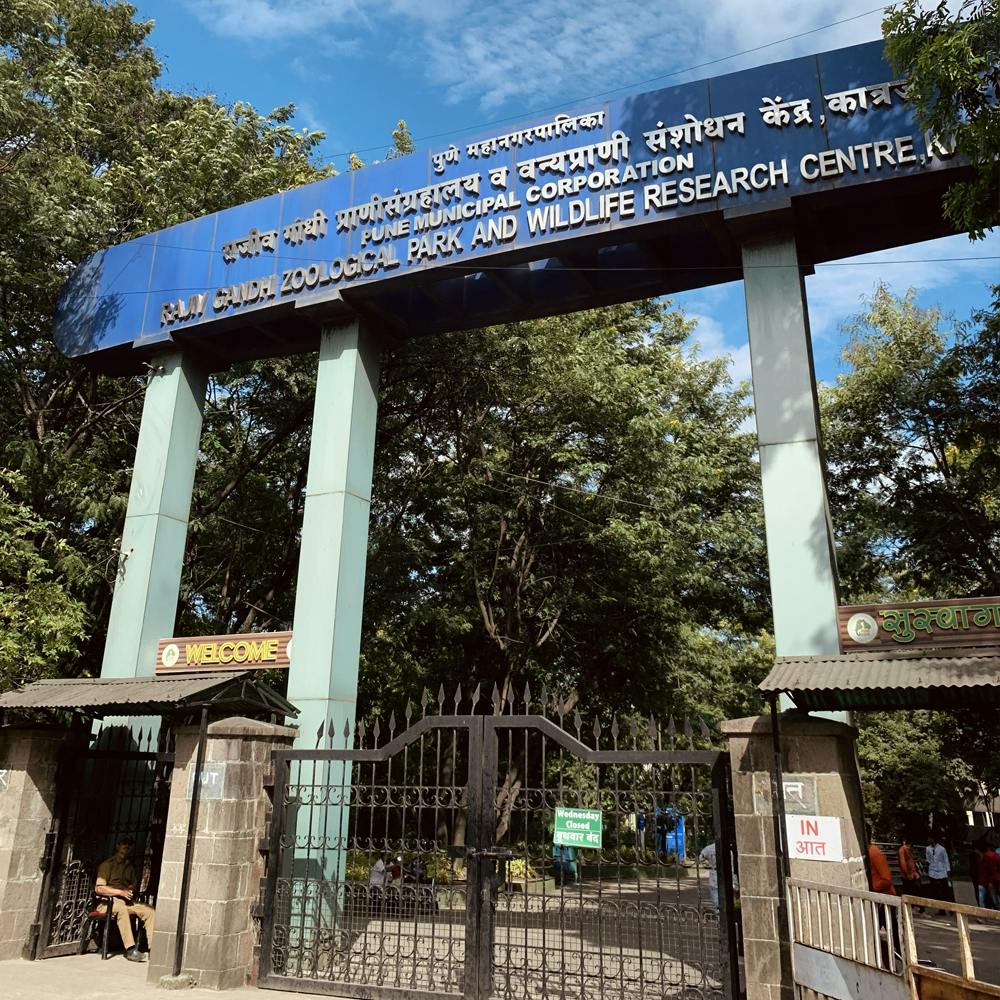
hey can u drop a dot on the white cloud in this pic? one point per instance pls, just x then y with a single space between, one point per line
836 292
501 55
253 20
710 340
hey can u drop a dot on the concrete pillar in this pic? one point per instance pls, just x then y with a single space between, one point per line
796 516
329 594
28 759
819 753
227 866
155 532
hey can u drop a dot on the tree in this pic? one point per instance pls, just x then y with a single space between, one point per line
913 457
569 501
951 63
914 481
914 779
93 152
41 622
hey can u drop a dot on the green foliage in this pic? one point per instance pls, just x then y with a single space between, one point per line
915 778
913 456
570 501
41 623
402 141
952 65
95 153
914 481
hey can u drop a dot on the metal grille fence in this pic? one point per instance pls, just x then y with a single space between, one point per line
423 857
116 785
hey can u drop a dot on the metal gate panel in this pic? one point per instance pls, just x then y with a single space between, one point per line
329 925
626 920
471 800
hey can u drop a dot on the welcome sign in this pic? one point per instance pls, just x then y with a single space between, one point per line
251 651
605 202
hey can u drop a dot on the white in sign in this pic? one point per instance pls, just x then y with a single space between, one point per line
814 838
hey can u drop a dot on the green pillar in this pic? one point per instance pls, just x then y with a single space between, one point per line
800 549
152 549
329 593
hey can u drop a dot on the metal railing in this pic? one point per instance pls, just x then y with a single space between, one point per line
853 924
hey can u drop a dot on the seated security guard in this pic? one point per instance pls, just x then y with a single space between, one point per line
116 880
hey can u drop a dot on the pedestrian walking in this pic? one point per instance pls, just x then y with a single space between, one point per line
989 874
975 871
939 871
881 882
908 872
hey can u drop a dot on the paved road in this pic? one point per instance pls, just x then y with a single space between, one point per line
937 940
86 977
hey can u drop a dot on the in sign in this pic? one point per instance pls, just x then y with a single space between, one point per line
814 838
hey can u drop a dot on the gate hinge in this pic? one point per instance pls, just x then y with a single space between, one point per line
45 861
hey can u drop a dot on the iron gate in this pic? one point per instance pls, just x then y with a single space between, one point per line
423 862
115 784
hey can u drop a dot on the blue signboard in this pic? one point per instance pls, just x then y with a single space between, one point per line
603 202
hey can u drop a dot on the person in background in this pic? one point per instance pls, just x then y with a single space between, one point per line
939 870
117 883
989 874
640 826
378 874
878 866
707 858
908 872
881 882
975 871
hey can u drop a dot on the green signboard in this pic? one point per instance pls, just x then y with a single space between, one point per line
577 827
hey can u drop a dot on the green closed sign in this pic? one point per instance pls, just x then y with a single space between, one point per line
577 827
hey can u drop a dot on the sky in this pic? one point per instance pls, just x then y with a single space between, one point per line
353 68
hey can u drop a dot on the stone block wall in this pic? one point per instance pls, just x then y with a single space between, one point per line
822 751
226 864
28 759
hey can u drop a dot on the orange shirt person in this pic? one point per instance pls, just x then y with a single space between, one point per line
881 876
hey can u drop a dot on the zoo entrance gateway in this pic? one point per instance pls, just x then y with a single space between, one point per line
759 174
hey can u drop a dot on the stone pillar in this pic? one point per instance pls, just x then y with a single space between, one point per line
329 593
800 553
155 532
227 866
820 754
28 760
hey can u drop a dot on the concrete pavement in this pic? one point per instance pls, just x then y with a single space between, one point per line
86 977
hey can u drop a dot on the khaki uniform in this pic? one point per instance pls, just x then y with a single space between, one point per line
119 874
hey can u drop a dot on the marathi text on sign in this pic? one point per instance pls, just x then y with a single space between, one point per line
578 827
814 838
957 622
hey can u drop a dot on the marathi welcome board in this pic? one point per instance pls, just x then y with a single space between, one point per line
578 827
250 651
606 202
973 621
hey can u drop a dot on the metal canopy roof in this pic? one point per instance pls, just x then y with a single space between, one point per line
876 681
236 691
